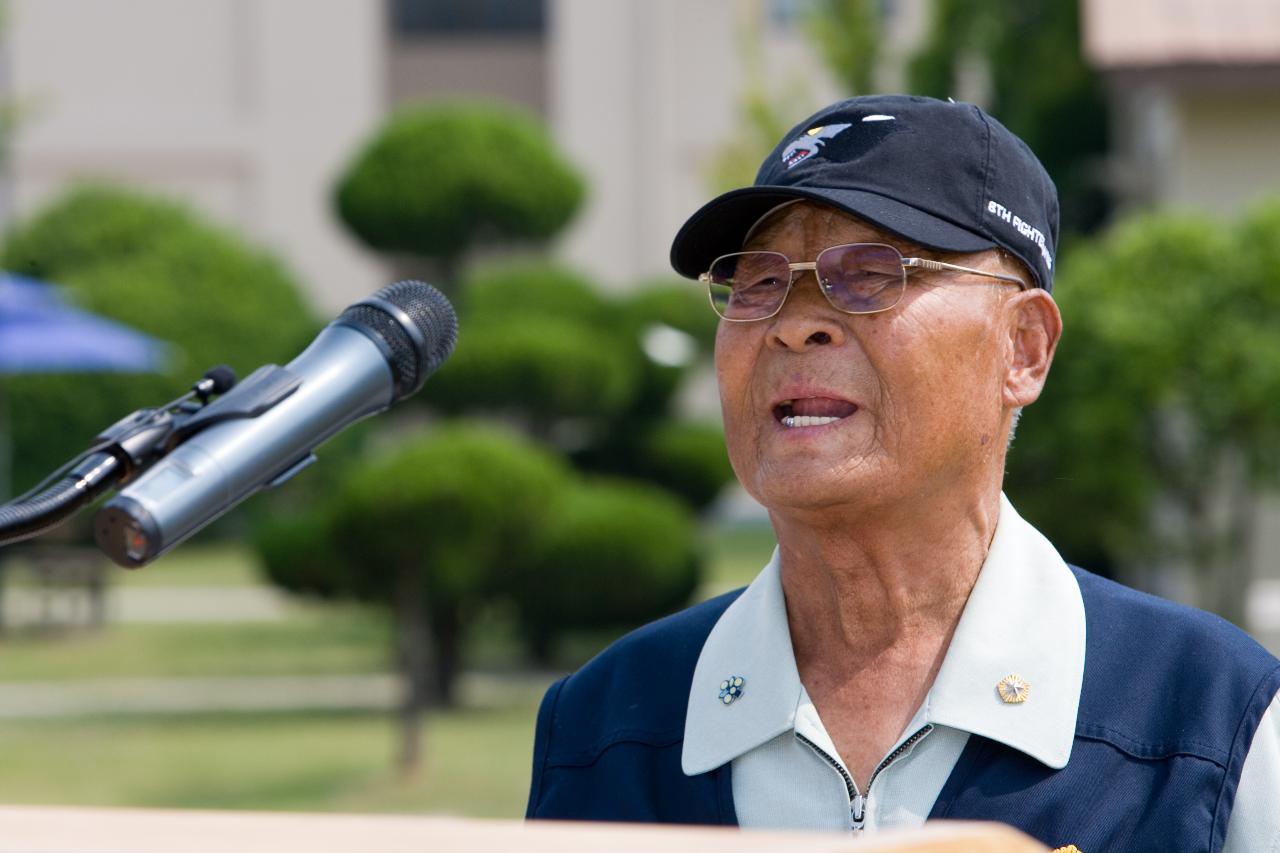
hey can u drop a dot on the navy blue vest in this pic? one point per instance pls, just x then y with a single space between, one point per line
1170 702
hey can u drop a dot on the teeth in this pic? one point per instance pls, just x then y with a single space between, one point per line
807 420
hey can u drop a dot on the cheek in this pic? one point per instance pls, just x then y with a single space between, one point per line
944 372
734 358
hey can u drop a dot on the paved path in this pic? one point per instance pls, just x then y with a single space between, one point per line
156 605
50 699
82 697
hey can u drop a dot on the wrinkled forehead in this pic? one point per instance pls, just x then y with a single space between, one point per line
809 224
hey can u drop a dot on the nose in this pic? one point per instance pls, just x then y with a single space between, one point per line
806 320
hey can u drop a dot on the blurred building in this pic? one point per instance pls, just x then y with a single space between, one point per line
642 96
249 109
1194 90
246 109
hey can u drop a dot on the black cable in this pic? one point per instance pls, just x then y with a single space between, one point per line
49 508
120 453
43 484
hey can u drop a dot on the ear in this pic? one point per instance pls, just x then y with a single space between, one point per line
1034 325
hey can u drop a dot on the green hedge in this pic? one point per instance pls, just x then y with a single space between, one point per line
688 459
540 368
159 268
446 514
613 554
436 178
522 291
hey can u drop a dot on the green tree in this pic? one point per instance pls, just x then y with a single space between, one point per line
437 179
425 532
595 377
160 268
765 112
1159 425
541 347
1042 89
613 554
848 34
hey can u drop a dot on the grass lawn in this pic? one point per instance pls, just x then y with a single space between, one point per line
737 554
314 640
219 564
477 762
231 564
477 759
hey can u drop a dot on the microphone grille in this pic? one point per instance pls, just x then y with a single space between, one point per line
416 326
431 312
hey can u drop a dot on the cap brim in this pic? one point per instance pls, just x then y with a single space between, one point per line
721 225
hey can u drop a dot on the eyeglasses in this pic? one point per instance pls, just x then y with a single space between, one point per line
857 278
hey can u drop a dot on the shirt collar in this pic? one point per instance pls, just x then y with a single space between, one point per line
1024 618
751 640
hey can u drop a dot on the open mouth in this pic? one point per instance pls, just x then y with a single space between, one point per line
812 411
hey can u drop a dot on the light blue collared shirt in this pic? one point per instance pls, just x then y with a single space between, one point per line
1024 617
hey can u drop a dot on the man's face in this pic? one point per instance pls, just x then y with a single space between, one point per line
918 389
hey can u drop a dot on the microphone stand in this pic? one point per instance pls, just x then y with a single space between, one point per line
117 455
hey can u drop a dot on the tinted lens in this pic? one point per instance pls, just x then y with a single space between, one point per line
749 285
862 278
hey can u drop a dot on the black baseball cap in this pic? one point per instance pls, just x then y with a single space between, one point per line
941 174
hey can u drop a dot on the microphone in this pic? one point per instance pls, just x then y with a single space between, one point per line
377 352
117 455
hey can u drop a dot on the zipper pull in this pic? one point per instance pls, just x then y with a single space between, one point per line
857 809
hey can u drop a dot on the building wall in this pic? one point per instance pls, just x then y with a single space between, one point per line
643 96
1203 138
248 109
1194 140
1225 156
245 109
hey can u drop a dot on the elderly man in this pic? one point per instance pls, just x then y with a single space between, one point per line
914 649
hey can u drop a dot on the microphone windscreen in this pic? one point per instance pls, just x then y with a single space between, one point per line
413 324
222 377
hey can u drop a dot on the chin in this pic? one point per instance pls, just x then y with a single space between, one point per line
812 487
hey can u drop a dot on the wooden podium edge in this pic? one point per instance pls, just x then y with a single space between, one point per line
58 829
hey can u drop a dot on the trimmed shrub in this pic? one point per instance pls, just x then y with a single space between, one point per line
297 554
677 303
688 459
535 290
612 555
454 504
442 515
435 179
540 367
663 318
92 224
158 267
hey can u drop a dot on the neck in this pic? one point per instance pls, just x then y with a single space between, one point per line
859 583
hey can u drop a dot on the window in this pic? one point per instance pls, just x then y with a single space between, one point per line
424 17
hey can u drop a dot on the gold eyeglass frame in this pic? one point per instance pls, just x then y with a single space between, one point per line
909 265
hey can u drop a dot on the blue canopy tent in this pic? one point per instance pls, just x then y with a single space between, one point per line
40 332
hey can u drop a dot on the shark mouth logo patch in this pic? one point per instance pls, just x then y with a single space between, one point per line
810 143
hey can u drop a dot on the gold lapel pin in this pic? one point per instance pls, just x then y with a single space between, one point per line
1070 848
1013 690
